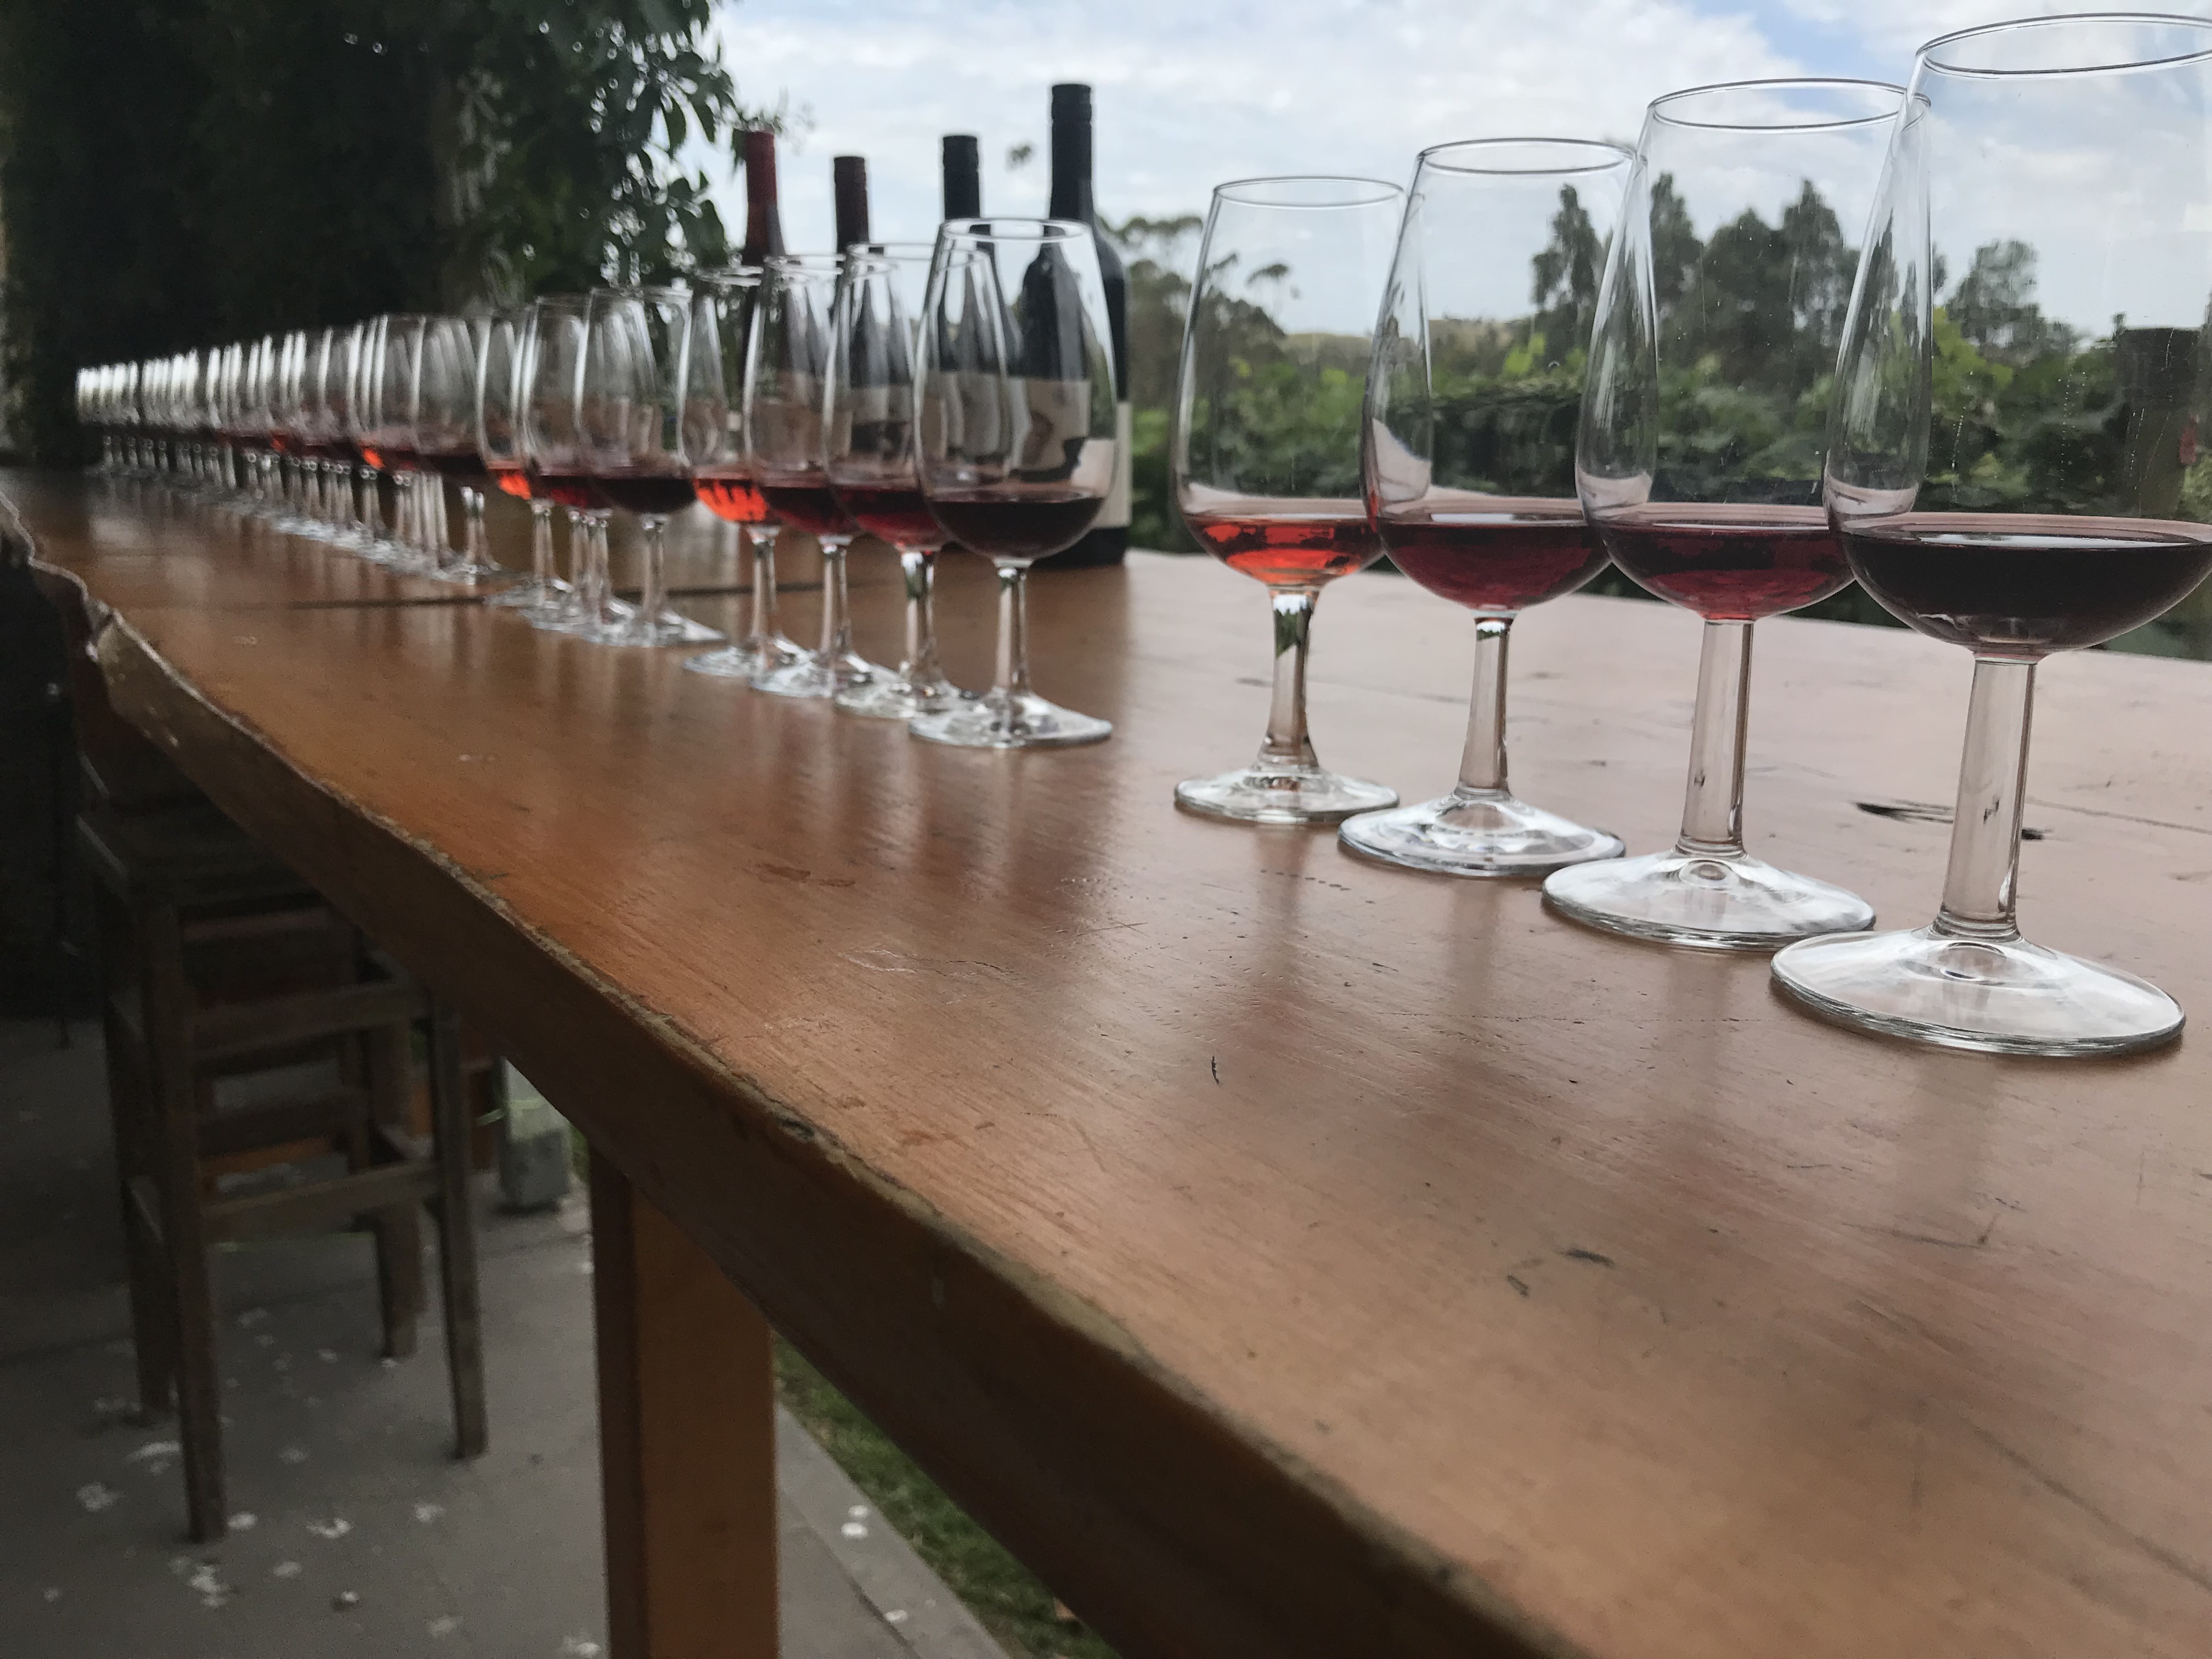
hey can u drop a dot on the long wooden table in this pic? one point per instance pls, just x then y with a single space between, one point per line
1287 1255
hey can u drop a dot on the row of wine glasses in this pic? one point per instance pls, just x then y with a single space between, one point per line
1676 359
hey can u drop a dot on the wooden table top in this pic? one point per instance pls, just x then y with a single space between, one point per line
1290 1256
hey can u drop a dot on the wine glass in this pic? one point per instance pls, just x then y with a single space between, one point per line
398 373
552 448
725 482
2016 465
1016 439
874 366
446 443
785 405
1265 451
365 428
502 375
1472 403
1702 427
646 403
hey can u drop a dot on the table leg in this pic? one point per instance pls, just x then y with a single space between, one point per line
687 1428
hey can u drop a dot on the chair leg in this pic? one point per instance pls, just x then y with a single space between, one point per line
174 1152
457 1238
129 1117
398 1235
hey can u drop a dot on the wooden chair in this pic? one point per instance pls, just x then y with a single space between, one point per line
221 968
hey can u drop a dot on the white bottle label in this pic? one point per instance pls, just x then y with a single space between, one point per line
1115 515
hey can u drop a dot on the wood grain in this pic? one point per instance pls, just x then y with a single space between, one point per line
1291 1256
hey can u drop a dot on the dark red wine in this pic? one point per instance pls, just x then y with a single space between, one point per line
511 478
734 496
399 461
1465 549
807 506
453 462
1028 525
1289 543
571 490
2024 584
370 454
648 495
1730 563
894 512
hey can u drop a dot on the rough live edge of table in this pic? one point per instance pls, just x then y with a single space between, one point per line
1291 1256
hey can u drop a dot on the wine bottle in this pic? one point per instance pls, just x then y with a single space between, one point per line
1108 537
964 177
849 184
763 222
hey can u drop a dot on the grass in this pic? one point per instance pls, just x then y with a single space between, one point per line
1012 1604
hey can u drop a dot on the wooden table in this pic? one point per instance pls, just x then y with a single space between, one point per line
1287 1255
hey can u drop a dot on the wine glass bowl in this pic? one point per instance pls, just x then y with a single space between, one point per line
2015 466
1473 398
1264 455
1016 440
1698 457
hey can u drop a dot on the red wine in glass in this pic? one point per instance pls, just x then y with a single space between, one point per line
453 462
1492 558
1317 541
896 512
649 495
2027 584
733 496
807 506
570 490
1002 524
1733 564
511 478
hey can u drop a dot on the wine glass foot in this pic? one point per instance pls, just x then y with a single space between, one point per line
1997 996
1476 833
1711 903
999 720
478 575
636 629
731 662
892 696
529 595
1283 794
806 675
571 616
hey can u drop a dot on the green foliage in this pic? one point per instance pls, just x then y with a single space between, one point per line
178 174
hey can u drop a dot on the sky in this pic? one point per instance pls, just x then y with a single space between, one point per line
1191 93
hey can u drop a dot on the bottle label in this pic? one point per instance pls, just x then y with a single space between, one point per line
1115 515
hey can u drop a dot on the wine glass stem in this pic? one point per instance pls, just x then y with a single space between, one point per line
652 598
837 613
1712 808
1287 743
765 626
1012 679
541 545
472 512
918 566
1482 765
1977 885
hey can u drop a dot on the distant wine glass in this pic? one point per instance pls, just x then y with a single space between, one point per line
1016 439
1704 423
875 367
502 378
446 442
552 447
2017 466
646 403
1472 403
398 373
786 408
1265 453
724 479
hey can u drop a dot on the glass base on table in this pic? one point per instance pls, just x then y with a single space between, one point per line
669 628
892 696
1475 832
1998 996
998 719
1282 794
530 596
1703 902
810 674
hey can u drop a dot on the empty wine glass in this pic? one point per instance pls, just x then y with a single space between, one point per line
502 377
724 480
785 407
646 403
1472 403
874 367
1702 427
1016 439
1265 453
2017 466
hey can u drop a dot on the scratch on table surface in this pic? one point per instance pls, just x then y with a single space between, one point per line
2171 1560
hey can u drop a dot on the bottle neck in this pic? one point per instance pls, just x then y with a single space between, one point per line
1071 168
964 182
763 222
849 179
